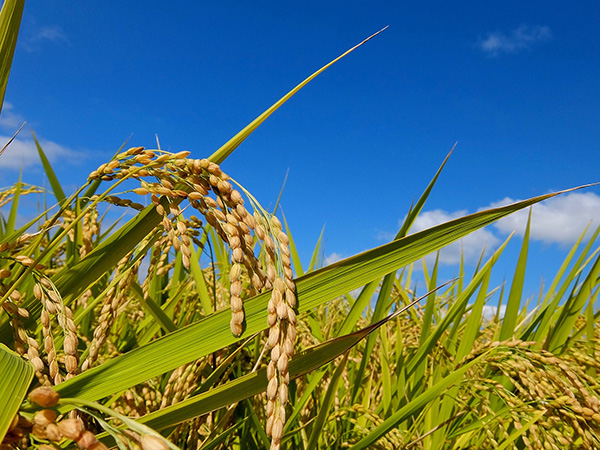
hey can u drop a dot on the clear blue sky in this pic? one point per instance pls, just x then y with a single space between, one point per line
516 84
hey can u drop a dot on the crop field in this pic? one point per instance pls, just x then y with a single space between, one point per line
194 324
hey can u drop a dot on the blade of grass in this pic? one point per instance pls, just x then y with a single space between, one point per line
312 265
15 376
516 290
222 153
10 22
153 309
57 189
571 310
541 323
326 404
14 207
293 249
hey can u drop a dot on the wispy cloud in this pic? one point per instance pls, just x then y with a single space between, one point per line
9 119
559 220
22 153
519 39
490 311
47 33
333 258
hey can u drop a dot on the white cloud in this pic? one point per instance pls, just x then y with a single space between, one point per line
470 246
9 119
333 258
559 220
519 39
489 311
22 153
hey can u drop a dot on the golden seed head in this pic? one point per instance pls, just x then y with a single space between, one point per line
71 363
134 151
235 272
181 155
113 164
271 370
141 191
236 303
273 336
279 285
236 197
70 344
275 353
44 396
237 255
282 363
86 439
53 432
44 417
282 238
236 288
269 425
272 388
283 394
224 186
236 327
25 260
276 223
282 311
166 183
277 430
37 363
291 316
150 442
4 273
71 428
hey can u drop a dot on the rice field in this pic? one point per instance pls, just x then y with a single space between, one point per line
195 325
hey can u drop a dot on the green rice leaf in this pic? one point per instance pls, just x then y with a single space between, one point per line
10 22
57 189
571 310
14 207
513 303
15 377
222 153
326 404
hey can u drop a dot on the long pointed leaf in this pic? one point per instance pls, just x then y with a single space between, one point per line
54 183
221 154
15 376
10 22
516 290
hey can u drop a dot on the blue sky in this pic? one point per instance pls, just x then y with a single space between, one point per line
514 83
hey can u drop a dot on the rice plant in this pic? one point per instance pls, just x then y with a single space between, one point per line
195 324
